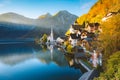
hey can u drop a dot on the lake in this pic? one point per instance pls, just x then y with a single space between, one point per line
28 62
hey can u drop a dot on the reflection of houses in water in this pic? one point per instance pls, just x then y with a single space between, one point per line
50 47
96 59
44 57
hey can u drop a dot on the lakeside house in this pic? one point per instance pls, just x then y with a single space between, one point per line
61 40
81 36
75 28
84 34
75 34
73 39
92 27
79 33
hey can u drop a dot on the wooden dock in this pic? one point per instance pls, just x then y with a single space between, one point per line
90 75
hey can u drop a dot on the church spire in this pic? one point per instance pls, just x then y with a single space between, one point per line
51 35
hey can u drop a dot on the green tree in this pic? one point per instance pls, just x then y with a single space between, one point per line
110 42
44 38
112 71
69 48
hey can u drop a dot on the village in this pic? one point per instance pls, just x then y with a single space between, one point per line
77 42
80 41
80 45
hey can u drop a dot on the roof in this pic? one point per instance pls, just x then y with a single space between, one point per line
64 37
77 27
84 31
93 24
91 35
97 24
76 21
73 36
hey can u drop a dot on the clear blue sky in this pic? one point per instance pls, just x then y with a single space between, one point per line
35 8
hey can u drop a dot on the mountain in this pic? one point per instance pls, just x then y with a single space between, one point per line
15 18
12 30
47 15
60 22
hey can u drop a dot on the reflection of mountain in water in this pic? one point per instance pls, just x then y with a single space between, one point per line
14 54
58 57
25 62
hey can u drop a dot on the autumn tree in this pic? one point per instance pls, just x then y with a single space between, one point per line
44 38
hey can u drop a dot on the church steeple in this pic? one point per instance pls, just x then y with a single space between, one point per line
51 35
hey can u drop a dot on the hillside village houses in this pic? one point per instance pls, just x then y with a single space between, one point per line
92 27
80 35
61 40
82 32
75 33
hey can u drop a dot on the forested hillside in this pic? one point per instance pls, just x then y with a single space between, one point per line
110 42
99 10
109 39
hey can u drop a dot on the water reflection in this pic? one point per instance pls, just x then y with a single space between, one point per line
25 62
50 47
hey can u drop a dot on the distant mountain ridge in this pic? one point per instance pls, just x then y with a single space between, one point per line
60 22
61 16
47 15
15 18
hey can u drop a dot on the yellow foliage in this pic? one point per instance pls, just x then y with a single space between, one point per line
67 33
82 19
99 10
110 37
44 38
69 48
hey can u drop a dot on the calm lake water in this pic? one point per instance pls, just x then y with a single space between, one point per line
25 62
